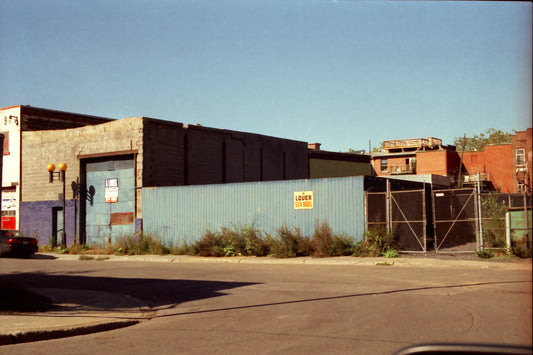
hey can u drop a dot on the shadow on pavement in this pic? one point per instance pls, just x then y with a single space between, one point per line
156 293
43 257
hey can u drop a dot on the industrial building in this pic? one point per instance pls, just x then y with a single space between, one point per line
110 161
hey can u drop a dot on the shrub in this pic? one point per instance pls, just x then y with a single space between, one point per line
376 243
484 254
522 251
232 241
183 249
137 245
391 253
254 242
289 243
324 243
211 244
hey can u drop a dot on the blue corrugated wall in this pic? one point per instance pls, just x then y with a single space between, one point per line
183 213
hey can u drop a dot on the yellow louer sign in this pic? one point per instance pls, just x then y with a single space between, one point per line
303 200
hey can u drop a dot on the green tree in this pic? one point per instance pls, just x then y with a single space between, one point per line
479 141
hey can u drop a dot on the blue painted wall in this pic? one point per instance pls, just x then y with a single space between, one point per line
182 214
36 220
99 229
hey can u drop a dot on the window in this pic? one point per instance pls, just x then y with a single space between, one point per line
520 157
384 166
6 142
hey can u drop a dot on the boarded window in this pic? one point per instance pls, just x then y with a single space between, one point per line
121 218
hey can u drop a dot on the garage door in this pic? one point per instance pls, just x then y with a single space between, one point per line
110 201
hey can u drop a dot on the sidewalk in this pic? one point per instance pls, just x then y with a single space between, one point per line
77 312
421 260
74 313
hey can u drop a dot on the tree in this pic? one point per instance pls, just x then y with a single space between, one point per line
479 141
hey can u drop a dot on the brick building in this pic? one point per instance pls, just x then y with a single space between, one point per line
521 145
500 167
493 166
427 158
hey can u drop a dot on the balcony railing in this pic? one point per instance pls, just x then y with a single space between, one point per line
417 143
474 178
402 169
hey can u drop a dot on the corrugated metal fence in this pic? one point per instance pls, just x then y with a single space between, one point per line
182 214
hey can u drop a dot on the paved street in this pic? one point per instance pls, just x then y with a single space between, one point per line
213 307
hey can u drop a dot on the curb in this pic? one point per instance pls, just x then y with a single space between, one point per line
341 260
8 339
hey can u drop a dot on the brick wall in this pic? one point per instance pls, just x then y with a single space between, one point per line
523 140
494 160
434 162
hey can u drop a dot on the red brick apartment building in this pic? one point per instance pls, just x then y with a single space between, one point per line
521 145
421 156
502 167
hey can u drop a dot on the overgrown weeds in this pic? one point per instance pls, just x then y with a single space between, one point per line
484 254
286 242
377 243
140 244
326 244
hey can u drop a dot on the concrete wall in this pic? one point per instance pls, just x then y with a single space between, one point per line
70 145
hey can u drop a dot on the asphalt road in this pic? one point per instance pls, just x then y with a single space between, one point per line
201 308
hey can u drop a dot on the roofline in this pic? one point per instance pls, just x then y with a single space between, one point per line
34 108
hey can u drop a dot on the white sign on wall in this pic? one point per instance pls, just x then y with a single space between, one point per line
303 200
9 201
111 190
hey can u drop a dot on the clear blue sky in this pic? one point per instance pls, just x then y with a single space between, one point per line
336 72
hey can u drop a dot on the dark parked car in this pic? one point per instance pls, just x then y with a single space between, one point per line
14 243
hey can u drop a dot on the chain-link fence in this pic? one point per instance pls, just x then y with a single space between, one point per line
505 221
401 214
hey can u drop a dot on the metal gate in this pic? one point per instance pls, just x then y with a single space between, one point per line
455 218
497 210
401 214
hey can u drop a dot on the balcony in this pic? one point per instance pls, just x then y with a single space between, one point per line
402 169
403 145
471 179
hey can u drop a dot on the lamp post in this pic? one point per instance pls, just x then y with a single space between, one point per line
61 175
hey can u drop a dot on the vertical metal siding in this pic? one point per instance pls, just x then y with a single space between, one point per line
182 214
